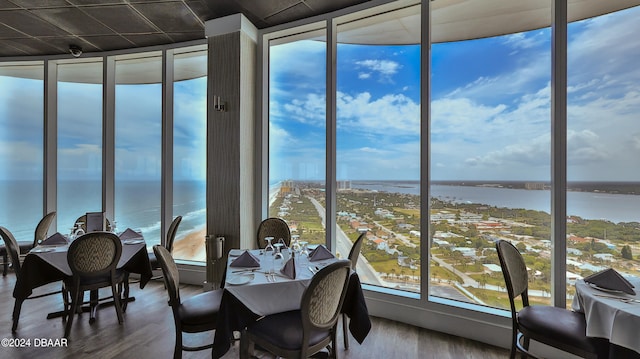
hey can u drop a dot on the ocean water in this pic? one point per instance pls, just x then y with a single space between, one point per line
138 203
137 206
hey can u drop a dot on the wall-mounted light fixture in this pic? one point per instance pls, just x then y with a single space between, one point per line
219 105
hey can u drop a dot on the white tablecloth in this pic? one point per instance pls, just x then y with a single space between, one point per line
263 297
609 317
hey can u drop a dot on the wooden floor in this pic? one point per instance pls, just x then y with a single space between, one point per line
148 332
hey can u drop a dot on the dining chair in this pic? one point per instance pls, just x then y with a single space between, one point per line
304 332
276 228
40 234
557 327
196 314
354 254
93 258
168 244
13 250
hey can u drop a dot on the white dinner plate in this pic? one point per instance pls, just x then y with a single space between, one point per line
605 289
42 249
240 279
133 241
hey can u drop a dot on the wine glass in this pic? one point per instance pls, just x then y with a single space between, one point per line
278 253
295 244
304 250
269 247
268 256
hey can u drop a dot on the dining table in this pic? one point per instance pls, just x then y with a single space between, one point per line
47 263
612 315
250 293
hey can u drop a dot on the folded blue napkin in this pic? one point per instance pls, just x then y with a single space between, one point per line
612 280
130 234
246 259
289 268
55 239
321 252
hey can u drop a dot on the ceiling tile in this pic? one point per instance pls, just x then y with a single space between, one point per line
298 11
106 43
121 19
9 33
186 36
264 9
96 2
28 23
149 40
6 4
31 4
32 47
73 20
170 16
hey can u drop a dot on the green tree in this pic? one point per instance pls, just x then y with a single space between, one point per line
626 252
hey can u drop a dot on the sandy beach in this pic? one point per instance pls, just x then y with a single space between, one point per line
191 246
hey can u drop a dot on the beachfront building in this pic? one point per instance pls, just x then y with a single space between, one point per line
218 117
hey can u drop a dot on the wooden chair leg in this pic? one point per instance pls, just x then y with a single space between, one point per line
177 350
75 298
93 305
345 333
116 302
125 290
17 307
245 346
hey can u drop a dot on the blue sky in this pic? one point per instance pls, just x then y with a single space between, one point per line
490 112
490 107
138 130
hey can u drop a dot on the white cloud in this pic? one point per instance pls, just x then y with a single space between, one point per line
384 68
364 75
521 41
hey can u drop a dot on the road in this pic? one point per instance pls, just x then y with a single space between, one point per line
366 273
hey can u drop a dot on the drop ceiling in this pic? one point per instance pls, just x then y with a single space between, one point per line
48 27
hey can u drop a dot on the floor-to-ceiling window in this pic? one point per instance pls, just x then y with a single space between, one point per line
79 140
189 152
138 141
490 164
378 151
297 134
21 147
603 145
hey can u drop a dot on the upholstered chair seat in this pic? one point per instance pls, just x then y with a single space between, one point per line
284 330
567 327
200 310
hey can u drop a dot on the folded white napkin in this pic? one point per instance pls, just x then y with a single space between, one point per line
610 279
246 259
289 268
321 252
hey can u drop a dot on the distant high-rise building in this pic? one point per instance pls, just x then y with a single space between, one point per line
344 184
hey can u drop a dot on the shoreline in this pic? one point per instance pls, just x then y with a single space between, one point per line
191 246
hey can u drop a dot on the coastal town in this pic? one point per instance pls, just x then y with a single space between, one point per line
463 260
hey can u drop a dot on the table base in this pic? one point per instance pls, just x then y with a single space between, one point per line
85 308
